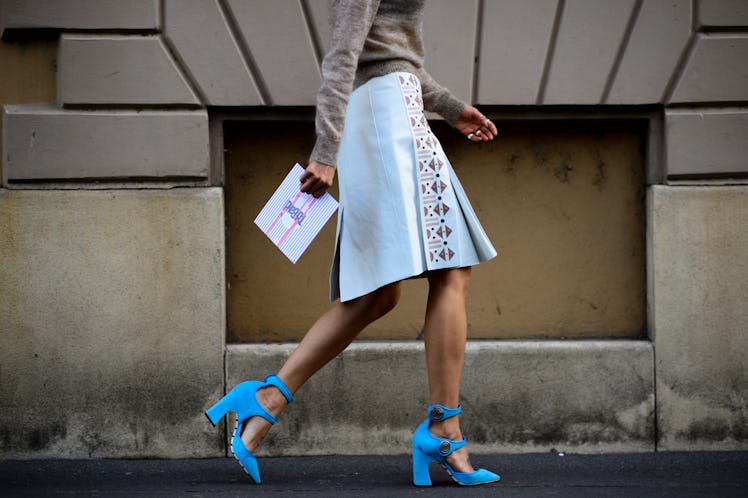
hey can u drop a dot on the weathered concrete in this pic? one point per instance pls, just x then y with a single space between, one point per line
279 27
513 46
699 253
42 142
706 143
644 73
78 14
28 75
229 50
112 322
584 396
450 59
113 69
203 40
716 71
723 13
588 38
317 11
562 203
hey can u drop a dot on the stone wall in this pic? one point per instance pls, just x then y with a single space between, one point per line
113 319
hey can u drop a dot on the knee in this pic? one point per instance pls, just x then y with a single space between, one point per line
455 280
383 300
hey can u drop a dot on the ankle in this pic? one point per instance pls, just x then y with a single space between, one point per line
449 429
272 400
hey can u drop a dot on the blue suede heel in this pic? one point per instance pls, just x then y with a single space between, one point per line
243 401
428 448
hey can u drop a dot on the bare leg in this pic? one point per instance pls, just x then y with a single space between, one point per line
445 333
329 336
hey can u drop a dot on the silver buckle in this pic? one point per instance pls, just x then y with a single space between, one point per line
437 413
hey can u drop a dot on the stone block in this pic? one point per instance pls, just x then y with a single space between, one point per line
644 73
78 14
717 70
279 27
112 323
584 396
202 39
723 13
698 245
319 22
449 42
707 142
44 143
589 36
513 47
115 69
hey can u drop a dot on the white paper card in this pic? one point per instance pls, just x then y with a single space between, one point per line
292 219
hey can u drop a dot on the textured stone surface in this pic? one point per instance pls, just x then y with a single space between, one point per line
514 43
723 12
704 143
114 69
563 204
28 75
699 253
318 14
78 14
585 396
717 70
202 38
279 27
644 73
449 41
42 142
112 322
588 38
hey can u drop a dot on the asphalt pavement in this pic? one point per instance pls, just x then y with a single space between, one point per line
662 474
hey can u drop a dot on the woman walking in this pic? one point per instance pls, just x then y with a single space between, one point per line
403 214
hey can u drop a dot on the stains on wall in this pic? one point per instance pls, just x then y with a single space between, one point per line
562 201
28 74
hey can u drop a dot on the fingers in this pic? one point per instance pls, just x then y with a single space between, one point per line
312 185
484 132
316 179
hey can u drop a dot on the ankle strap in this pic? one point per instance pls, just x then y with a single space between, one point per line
447 446
273 380
437 413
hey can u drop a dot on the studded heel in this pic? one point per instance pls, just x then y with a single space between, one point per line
428 448
243 401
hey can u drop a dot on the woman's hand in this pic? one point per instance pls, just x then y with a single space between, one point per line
475 126
317 178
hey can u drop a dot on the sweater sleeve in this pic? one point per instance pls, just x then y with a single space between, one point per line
439 99
351 21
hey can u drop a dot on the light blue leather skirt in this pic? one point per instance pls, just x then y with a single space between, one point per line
402 209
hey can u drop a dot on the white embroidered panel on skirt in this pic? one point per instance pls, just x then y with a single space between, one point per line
437 211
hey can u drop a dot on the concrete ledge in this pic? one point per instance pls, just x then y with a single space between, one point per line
519 396
112 323
203 40
699 254
643 73
706 142
44 143
589 35
273 28
97 69
78 14
450 48
723 13
515 35
716 70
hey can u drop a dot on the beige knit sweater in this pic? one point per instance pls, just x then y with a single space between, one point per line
371 38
